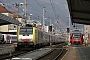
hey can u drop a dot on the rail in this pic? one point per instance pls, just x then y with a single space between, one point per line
55 53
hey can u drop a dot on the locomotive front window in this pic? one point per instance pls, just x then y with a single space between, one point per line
23 31
30 31
26 30
76 36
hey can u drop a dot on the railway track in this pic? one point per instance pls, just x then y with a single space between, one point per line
11 55
55 54
55 49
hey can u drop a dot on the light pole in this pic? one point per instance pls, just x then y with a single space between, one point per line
68 29
43 19
29 18
25 11
17 9
25 14
51 28
68 22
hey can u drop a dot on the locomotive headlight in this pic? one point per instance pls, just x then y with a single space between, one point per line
20 39
30 39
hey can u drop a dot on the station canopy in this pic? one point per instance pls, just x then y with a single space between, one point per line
79 11
4 20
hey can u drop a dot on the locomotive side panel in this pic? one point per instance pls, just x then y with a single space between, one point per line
35 36
45 38
18 34
40 36
31 37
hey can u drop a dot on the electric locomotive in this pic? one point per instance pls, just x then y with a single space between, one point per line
26 36
76 37
31 38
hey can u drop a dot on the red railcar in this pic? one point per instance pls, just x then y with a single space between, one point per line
76 37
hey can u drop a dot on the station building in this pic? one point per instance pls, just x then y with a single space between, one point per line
87 32
12 14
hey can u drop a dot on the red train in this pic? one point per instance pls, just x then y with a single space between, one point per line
76 37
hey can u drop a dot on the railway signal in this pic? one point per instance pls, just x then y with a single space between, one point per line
50 28
68 30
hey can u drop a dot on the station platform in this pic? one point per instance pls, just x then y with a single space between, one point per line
77 52
72 54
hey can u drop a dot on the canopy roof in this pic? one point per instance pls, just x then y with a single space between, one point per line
7 20
79 11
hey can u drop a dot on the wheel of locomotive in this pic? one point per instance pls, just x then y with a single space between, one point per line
37 46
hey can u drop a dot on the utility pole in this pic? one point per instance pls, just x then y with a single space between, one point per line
69 22
29 18
17 8
68 30
25 12
51 33
43 18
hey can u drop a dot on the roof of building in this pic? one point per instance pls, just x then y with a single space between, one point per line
79 11
3 9
15 14
4 20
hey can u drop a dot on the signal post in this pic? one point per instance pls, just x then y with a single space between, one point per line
50 29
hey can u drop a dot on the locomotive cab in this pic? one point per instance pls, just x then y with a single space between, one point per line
27 37
76 37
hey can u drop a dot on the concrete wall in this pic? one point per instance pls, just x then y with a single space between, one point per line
4 28
86 31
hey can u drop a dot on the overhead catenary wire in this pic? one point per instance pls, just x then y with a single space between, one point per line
9 7
39 13
41 6
35 9
22 10
5 5
12 8
51 1
53 8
